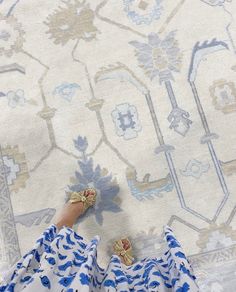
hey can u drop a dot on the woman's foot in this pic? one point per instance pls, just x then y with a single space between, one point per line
123 249
78 203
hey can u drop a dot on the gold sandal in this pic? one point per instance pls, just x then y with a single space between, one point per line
123 249
87 197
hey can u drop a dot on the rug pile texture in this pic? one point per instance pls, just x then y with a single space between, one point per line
136 98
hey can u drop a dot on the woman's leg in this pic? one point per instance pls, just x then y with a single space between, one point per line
69 214
78 203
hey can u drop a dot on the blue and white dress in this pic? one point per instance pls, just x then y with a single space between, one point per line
63 261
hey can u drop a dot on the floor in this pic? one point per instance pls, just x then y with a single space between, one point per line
136 98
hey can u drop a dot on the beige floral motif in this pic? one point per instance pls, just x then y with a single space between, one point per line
216 236
229 167
15 168
75 21
11 35
224 96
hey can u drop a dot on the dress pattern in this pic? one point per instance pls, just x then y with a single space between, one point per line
63 261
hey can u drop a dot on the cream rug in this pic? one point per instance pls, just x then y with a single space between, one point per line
136 98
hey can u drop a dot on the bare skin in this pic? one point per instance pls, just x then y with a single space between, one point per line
69 214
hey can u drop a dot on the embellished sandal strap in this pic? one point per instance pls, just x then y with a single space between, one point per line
77 197
124 253
87 197
127 259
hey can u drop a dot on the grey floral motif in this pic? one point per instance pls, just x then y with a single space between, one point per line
143 11
215 286
216 236
179 121
36 217
16 98
74 21
195 168
98 178
125 117
216 2
11 35
66 90
233 68
147 244
159 57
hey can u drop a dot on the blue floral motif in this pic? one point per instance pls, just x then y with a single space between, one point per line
143 12
16 98
195 168
81 144
66 90
125 117
98 178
